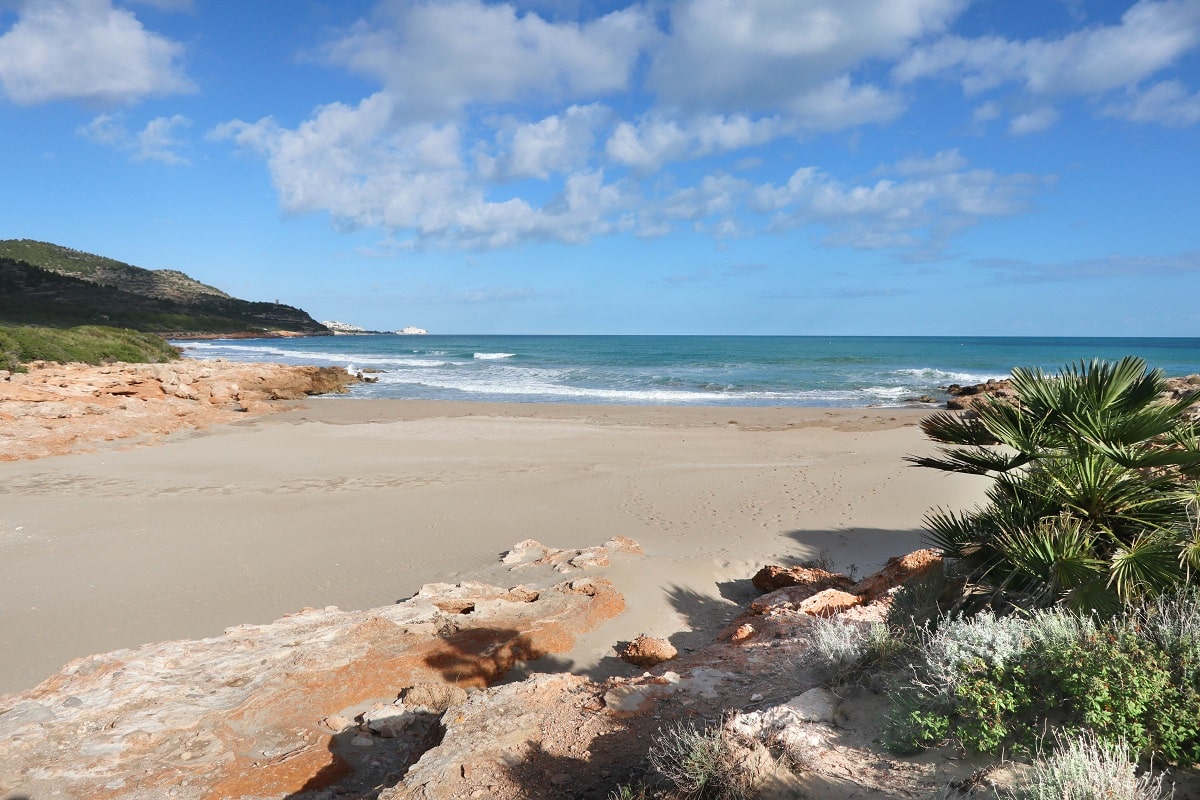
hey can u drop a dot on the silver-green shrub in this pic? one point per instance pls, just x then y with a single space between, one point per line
1085 767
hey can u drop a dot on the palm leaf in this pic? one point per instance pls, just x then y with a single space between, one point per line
972 461
951 428
1147 566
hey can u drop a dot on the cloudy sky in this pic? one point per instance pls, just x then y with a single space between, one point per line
1002 167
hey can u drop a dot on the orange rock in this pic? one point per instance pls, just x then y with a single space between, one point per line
647 651
898 570
829 602
742 633
773 577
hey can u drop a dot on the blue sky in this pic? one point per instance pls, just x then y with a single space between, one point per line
996 167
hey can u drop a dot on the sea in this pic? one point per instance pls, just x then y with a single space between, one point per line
821 371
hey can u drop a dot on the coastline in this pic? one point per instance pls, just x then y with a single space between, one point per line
359 503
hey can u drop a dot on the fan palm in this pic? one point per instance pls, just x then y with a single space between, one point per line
1094 495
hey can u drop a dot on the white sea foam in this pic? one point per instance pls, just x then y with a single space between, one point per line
493 356
948 376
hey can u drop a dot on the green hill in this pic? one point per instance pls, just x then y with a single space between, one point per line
49 285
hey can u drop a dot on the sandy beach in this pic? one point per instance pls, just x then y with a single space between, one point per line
358 503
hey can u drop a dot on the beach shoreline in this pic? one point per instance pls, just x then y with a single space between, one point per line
359 503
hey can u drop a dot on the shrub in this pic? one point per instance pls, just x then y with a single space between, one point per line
701 762
1093 497
988 683
89 344
967 679
847 650
1086 767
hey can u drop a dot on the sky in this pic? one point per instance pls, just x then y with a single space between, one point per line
812 167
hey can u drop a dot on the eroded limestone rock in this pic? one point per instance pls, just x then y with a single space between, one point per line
303 703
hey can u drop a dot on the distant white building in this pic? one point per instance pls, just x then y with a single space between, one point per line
342 327
412 330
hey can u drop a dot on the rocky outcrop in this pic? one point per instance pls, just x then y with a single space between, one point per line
818 593
965 397
59 408
320 701
564 736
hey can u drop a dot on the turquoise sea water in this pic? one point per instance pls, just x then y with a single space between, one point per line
843 371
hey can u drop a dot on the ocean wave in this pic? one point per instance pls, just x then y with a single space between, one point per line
948 376
493 356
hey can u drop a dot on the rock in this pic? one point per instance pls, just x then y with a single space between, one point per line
647 651
898 570
769 724
60 408
772 577
435 697
742 633
245 706
389 721
829 602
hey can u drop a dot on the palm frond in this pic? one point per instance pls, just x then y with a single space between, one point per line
972 461
956 428
1145 567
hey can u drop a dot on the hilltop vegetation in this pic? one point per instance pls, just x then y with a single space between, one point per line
51 286
90 344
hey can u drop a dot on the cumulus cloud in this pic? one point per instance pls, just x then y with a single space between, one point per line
1033 121
1167 102
476 101
357 164
435 57
738 57
1151 36
559 143
157 141
86 50
919 211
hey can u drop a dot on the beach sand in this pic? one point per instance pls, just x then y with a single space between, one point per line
358 503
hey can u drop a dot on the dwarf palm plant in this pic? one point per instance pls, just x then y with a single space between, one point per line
1095 487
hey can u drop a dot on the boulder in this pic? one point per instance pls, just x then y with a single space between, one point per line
773 577
647 651
898 570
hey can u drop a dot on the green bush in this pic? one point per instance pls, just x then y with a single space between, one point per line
88 344
989 682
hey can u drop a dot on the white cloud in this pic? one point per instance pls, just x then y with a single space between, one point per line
155 142
739 57
1167 102
435 57
1033 121
919 213
986 112
366 171
939 163
1151 36
559 143
654 140
86 50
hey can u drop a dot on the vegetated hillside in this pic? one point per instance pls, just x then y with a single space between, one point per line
45 284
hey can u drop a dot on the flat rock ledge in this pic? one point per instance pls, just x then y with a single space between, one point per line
321 703
61 408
